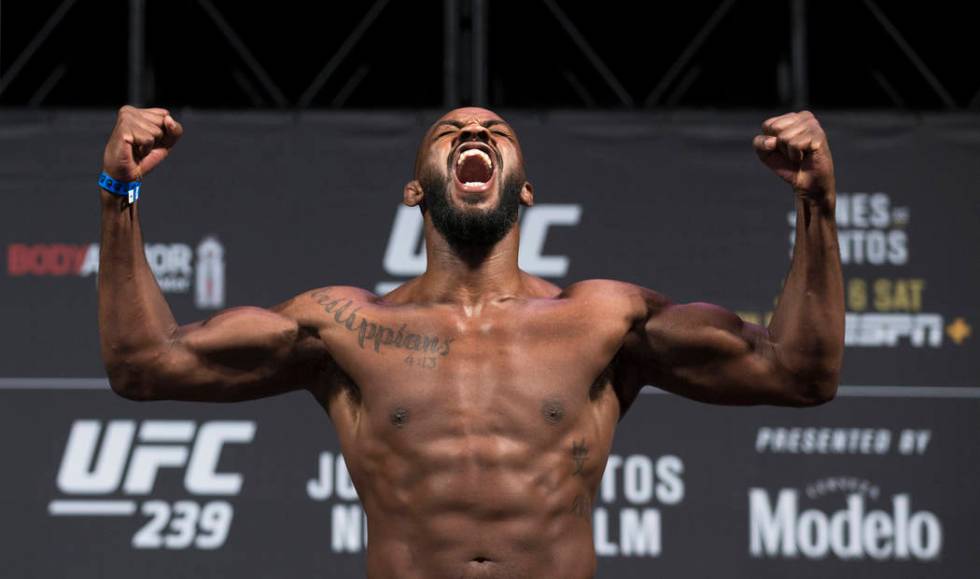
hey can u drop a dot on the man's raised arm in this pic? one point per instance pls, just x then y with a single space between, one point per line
707 353
238 354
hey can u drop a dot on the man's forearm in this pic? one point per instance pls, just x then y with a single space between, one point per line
239 354
135 322
134 318
808 324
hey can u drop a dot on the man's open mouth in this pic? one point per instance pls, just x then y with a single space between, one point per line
474 166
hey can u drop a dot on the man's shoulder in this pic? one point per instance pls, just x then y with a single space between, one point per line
589 288
610 290
313 301
614 298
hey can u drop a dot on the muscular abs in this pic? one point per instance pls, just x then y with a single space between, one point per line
476 442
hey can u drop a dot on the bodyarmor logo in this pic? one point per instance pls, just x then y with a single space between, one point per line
849 533
210 283
405 254
91 469
173 266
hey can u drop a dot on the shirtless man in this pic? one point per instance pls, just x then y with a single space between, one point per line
476 404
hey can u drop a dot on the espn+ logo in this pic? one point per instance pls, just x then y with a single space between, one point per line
128 461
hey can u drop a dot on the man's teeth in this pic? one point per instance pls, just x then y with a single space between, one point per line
474 153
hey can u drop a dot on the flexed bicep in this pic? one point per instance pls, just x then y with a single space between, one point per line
707 353
238 354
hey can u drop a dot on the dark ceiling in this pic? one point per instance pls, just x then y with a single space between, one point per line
532 60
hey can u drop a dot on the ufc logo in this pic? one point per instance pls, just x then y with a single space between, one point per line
89 468
405 254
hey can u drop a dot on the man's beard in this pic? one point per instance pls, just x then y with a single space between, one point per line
467 230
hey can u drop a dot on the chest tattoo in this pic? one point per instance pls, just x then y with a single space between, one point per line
373 335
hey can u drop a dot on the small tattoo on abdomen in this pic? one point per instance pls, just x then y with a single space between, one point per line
579 452
582 507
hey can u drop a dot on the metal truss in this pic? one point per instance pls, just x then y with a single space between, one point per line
465 71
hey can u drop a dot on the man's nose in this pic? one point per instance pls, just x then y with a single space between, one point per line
474 132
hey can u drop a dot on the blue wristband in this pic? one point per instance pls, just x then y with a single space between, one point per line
119 188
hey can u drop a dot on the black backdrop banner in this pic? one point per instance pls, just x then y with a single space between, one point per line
252 209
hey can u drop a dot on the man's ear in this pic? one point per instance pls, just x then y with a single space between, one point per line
412 195
527 194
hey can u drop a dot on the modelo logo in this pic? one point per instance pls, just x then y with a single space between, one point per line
405 254
849 533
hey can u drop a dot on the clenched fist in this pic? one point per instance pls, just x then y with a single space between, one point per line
795 147
141 139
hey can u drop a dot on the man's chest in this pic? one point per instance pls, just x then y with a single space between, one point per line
543 358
